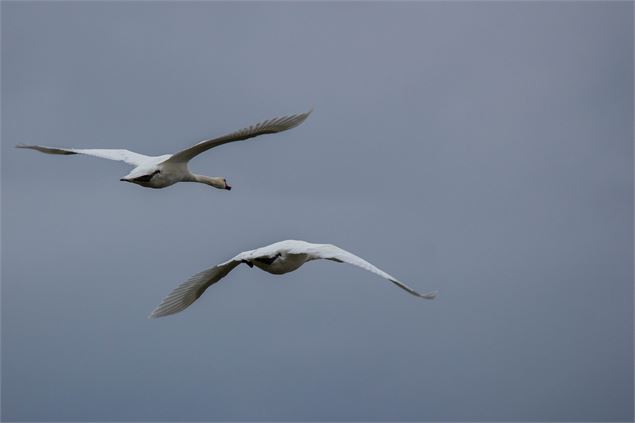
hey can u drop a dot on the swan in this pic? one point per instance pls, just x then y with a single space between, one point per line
163 171
278 258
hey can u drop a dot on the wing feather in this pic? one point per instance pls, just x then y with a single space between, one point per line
189 291
126 156
331 252
270 126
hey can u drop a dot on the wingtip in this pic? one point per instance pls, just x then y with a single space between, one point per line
158 312
430 295
303 116
153 315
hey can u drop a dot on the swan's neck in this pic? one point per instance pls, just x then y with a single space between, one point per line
216 182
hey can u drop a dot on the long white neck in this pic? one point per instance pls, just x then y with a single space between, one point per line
216 182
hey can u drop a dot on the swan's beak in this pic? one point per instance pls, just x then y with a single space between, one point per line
124 180
227 187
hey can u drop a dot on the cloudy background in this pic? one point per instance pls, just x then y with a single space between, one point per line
483 149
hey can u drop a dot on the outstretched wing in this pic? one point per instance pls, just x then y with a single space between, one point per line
331 252
267 127
189 291
126 156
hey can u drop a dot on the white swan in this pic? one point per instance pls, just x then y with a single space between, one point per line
163 171
279 258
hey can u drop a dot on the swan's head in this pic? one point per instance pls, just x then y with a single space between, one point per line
220 183
216 182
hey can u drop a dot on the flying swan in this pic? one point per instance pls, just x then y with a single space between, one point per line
278 258
166 170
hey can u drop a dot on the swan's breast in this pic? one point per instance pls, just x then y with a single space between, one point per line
162 180
284 263
168 174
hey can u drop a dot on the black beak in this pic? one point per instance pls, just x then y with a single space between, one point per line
228 188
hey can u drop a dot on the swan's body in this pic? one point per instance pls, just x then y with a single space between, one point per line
166 170
279 258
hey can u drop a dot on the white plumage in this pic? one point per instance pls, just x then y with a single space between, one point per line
166 170
279 258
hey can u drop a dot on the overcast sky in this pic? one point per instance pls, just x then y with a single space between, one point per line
482 149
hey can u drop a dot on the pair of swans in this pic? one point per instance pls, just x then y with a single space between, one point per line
278 258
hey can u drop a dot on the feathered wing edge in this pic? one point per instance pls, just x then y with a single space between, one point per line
189 291
270 126
332 252
126 156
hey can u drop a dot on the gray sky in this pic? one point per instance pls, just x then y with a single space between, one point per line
483 149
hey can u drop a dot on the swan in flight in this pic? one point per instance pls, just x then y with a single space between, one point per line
279 258
166 170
